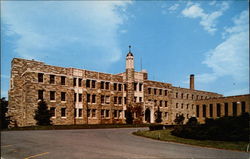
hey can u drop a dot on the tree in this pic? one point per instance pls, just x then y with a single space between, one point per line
129 116
158 116
192 121
5 120
179 119
42 114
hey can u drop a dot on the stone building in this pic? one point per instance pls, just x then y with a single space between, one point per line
78 96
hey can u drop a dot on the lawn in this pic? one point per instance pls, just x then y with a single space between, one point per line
165 135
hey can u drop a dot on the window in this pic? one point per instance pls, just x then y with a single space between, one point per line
75 112
155 101
40 77
149 90
102 113
125 100
107 99
243 107
80 97
234 109
63 96
102 85
93 112
211 110
226 109
74 82
115 86
135 86
160 91
182 105
52 95
88 98
140 87
40 94
53 112
107 85
166 92
166 103
192 96
160 103
201 97
52 79
79 82
135 99
120 87
140 99
87 83
187 106
182 95
177 104
63 112
63 80
155 91
88 112
102 99
79 112
120 100
125 87
74 97
93 98
93 83
115 113
176 95
204 110
115 100
107 113
197 97
197 111
187 96
218 109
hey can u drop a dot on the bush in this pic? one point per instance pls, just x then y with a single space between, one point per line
129 116
224 129
5 120
155 127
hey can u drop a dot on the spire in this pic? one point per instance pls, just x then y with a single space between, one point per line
129 51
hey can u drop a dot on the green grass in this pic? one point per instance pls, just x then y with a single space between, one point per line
84 126
165 135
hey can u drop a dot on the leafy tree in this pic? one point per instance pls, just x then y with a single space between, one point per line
158 116
5 120
129 116
179 119
42 114
192 121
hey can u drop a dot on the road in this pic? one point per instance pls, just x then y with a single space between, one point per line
99 143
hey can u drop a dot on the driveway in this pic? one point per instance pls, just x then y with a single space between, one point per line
99 143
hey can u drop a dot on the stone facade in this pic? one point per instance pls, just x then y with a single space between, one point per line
77 96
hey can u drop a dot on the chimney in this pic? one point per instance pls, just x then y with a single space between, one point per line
192 81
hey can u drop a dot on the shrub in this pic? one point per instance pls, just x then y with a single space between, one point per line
129 116
179 119
155 127
5 120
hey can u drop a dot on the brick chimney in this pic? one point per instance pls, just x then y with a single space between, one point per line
192 81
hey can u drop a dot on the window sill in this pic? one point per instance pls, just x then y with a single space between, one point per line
63 117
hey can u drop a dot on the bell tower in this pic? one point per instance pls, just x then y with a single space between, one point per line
130 77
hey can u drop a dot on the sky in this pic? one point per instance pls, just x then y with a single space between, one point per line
169 39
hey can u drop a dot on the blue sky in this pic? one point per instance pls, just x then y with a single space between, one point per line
173 38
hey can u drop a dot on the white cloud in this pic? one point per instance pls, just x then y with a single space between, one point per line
231 57
173 7
208 20
48 28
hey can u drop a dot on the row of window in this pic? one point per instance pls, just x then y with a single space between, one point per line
182 106
218 109
157 91
52 95
53 112
51 79
177 95
160 102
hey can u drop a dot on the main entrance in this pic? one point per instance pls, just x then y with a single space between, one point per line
147 115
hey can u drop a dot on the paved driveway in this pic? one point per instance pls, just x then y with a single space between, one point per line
99 143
